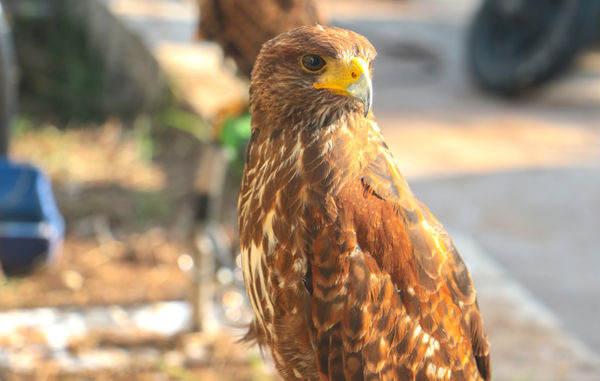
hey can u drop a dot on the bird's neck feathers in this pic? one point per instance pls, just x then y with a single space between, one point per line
322 155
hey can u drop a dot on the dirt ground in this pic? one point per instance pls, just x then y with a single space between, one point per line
128 221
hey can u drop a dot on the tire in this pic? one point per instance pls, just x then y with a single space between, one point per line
512 51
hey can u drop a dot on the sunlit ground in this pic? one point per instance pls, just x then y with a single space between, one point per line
126 256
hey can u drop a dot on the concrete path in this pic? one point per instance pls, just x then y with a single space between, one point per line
514 182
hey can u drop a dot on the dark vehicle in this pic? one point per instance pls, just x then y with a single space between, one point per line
516 45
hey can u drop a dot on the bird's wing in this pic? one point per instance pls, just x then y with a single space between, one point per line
408 305
438 265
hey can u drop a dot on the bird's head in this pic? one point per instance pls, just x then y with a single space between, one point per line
313 75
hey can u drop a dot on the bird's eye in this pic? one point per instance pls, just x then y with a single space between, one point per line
312 63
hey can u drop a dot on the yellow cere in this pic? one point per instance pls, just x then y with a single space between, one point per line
341 74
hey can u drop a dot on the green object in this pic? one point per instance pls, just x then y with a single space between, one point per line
234 136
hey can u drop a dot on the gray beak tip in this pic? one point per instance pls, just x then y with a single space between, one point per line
362 90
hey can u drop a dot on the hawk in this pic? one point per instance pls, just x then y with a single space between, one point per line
242 26
349 276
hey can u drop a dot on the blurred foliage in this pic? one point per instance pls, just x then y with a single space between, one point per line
151 206
181 119
142 127
177 372
21 125
64 83
61 78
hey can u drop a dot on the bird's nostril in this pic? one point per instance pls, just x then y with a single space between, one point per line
354 75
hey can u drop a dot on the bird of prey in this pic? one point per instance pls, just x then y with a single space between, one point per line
240 27
349 276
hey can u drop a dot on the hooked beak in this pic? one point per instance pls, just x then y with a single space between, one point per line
362 90
349 78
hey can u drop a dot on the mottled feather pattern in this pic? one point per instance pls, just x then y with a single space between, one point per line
350 277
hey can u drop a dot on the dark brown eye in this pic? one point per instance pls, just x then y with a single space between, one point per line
312 63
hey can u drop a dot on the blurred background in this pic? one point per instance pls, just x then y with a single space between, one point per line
123 124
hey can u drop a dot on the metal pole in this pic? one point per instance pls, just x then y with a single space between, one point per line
8 77
209 184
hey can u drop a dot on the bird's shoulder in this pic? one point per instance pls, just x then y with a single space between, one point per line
409 244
